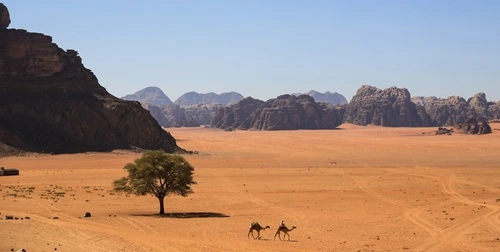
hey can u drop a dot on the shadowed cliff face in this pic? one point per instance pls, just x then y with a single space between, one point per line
51 103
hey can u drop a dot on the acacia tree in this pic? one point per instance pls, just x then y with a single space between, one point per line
159 174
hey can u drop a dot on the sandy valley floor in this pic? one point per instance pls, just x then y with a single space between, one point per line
352 189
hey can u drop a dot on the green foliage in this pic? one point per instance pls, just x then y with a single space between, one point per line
157 173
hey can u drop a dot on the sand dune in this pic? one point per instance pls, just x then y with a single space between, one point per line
352 189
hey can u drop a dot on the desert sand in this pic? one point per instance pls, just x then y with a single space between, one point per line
351 189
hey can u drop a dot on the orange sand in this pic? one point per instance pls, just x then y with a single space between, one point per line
351 189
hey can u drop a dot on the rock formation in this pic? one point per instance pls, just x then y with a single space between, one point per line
236 116
51 103
194 98
176 115
390 107
286 112
472 126
4 16
455 109
149 95
202 113
494 110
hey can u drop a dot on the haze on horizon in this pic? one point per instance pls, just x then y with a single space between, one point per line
267 48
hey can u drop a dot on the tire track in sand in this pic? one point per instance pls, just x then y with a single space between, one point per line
412 214
459 230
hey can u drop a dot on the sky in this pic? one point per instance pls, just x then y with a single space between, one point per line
266 48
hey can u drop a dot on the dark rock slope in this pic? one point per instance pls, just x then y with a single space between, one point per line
286 112
49 102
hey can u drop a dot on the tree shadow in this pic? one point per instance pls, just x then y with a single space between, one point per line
186 215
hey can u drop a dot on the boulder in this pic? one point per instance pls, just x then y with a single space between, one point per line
472 126
444 131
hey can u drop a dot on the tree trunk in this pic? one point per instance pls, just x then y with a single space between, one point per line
162 206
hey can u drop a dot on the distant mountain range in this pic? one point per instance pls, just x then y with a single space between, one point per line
194 109
193 98
333 98
393 107
149 95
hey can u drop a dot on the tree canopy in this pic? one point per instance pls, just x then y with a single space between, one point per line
159 174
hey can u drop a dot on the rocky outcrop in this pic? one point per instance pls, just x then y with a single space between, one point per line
176 115
443 131
472 126
286 112
332 98
494 109
479 105
202 113
51 103
390 107
455 109
236 116
194 98
149 95
4 16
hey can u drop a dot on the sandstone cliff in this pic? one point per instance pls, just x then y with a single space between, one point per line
51 103
286 112
390 107
456 110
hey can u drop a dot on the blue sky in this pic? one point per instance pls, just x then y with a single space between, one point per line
267 48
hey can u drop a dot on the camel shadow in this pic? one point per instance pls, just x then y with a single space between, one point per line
263 239
186 215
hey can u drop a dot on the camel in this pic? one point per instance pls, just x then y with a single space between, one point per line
285 230
257 227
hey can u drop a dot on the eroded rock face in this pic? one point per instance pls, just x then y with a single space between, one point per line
286 112
390 107
4 16
51 103
455 109
494 109
236 116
